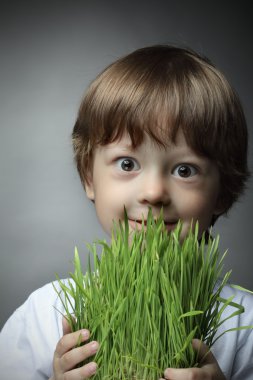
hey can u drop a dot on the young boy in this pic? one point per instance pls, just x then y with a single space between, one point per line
159 128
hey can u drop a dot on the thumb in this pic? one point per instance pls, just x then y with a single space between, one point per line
66 325
205 356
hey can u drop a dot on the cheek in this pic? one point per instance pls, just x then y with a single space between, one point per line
103 215
109 196
198 206
109 206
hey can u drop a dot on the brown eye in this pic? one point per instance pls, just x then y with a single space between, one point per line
185 171
128 164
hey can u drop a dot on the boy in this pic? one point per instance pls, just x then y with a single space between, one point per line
160 127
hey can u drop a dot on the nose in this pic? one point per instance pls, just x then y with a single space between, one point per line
153 189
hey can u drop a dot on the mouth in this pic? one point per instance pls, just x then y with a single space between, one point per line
137 224
171 225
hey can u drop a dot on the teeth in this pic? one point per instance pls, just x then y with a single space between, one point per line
145 221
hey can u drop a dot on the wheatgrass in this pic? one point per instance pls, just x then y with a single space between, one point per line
146 297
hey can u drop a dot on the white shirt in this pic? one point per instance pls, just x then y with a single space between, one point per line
29 338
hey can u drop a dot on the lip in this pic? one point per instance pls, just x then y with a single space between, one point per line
170 225
137 224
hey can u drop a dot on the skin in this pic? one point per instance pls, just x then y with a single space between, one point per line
67 355
174 178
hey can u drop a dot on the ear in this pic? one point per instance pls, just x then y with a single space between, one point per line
89 188
219 208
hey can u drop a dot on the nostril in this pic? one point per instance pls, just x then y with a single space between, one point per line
153 188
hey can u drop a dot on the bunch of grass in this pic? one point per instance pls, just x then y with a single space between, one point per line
146 298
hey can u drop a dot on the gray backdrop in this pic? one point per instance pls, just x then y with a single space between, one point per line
50 51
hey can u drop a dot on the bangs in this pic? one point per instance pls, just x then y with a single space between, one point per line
157 97
156 91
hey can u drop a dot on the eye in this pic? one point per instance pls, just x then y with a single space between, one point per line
128 164
184 171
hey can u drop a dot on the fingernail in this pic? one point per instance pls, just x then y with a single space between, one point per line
85 334
168 373
94 346
92 367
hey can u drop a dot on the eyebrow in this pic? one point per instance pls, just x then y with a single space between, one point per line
121 146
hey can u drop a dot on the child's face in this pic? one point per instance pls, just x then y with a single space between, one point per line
174 178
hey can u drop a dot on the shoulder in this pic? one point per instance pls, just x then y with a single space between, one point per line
31 334
234 348
241 297
45 298
43 303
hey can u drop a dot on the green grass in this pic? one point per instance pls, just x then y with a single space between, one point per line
146 298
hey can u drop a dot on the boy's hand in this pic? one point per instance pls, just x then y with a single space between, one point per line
67 355
209 369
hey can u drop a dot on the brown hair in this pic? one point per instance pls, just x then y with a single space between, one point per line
157 90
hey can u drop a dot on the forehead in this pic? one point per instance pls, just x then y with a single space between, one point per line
125 144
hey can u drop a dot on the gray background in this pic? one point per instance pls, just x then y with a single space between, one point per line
50 51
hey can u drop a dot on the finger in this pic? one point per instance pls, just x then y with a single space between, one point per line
65 326
205 356
81 373
77 355
69 341
185 374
